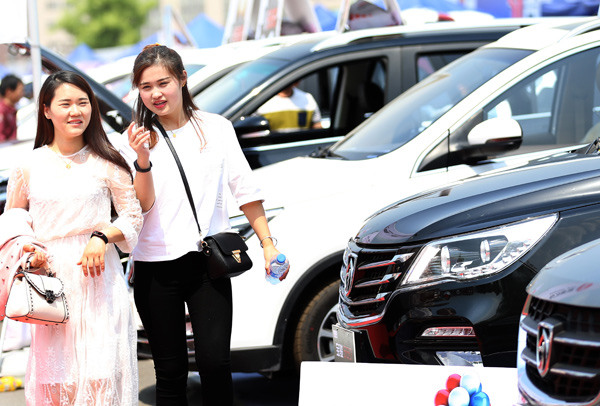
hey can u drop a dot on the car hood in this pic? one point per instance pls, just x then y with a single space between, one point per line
540 188
571 278
303 179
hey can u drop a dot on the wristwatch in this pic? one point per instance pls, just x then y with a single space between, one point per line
100 235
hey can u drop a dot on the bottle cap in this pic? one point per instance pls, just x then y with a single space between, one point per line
281 258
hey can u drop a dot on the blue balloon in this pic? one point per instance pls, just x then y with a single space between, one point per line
459 397
480 399
471 383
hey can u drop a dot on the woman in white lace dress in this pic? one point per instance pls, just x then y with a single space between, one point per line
68 183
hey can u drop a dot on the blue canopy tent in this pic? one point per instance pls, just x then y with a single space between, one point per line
205 31
326 17
84 57
438 5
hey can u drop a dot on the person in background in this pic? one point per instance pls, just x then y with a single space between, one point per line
68 184
170 272
11 91
291 109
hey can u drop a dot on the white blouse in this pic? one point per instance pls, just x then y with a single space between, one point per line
216 170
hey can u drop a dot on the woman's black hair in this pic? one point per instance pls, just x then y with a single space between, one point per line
164 56
94 135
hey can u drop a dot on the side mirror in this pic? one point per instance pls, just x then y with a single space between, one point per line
493 136
252 127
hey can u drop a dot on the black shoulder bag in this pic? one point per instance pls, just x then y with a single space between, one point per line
226 251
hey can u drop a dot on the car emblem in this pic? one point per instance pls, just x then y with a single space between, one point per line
545 336
348 277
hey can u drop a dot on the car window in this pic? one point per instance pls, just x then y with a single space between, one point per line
416 109
345 94
432 62
232 87
556 106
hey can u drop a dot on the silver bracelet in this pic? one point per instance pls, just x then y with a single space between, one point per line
272 239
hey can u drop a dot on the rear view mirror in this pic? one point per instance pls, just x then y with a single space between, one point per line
495 131
252 127
493 136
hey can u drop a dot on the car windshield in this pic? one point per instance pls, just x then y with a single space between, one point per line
232 87
415 110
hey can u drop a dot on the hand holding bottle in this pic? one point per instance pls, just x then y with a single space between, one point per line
278 268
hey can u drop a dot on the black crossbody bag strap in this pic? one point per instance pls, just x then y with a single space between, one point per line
183 177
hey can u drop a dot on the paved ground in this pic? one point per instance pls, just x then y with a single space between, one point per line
250 389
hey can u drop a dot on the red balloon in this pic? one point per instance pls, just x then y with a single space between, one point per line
453 382
441 398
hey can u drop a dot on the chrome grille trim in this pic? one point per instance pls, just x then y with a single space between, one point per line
573 375
369 278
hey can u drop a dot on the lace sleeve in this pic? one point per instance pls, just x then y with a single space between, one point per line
17 194
129 212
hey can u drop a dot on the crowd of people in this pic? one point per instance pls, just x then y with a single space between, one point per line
69 189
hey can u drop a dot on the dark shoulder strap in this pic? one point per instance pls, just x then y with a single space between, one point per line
183 177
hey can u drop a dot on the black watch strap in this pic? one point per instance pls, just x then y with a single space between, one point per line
139 169
100 235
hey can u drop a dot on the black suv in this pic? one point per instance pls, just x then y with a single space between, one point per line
559 339
440 278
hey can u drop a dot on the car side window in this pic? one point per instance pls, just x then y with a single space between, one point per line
432 62
556 106
344 95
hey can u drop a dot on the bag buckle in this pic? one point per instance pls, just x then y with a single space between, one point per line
206 250
50 296
236 255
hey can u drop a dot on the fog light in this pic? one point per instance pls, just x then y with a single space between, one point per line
460 358
449 332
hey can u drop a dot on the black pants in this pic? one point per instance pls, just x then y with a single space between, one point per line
161 290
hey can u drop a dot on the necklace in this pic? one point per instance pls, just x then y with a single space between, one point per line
68 159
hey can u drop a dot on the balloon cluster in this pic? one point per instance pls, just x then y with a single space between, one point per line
462 391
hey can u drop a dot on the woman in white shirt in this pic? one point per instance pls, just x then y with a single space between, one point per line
169 270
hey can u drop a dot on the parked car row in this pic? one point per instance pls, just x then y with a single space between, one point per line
465 273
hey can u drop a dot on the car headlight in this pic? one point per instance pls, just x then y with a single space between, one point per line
477 254
242 226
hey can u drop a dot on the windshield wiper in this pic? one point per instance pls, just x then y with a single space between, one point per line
324 152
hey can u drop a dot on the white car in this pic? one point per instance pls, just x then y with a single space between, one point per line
203 65
530 94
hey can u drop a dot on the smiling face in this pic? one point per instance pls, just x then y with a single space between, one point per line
70 111
161 91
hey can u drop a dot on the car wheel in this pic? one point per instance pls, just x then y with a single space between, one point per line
313 340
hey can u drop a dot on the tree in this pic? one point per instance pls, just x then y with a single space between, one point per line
105 23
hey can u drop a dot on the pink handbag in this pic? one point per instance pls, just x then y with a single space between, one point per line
37 299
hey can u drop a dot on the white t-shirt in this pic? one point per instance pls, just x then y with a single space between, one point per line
297 112
216 171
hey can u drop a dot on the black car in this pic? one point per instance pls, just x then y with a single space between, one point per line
351 76
440 278
559 339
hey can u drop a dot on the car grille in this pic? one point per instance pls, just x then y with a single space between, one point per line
368 278
573 373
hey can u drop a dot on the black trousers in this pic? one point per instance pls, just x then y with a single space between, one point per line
161 291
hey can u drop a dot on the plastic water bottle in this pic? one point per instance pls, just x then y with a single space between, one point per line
279 264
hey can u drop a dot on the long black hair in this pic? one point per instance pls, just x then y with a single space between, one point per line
93 136
166 57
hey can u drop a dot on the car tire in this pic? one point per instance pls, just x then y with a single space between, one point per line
313 339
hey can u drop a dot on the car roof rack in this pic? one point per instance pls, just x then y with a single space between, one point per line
583 29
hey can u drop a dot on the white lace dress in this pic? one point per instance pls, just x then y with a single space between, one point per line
90 360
